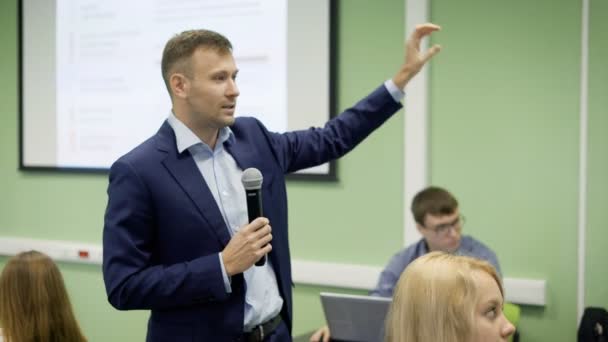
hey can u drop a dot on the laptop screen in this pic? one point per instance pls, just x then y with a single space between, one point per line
354 317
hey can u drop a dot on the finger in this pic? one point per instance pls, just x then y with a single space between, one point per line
326 334
261 232
257 224
427 28
431 52
259 254
266 249
264 240
422 31
261 221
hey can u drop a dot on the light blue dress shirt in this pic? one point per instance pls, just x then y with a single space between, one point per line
223 177
395 92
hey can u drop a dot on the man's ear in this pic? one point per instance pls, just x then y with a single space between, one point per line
419 227
180 85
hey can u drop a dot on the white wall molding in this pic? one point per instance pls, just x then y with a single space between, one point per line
525 291
66 251
351 276
335 274
517 291
582 163
415 159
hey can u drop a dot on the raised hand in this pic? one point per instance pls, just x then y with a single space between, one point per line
414 58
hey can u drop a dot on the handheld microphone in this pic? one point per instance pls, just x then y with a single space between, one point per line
252 181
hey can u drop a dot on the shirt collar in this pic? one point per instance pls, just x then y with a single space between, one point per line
185 138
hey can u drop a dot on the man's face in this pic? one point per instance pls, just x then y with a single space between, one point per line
490 323
211 90
442 232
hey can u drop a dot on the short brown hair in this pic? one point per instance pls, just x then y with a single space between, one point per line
34 304
434 201
179 49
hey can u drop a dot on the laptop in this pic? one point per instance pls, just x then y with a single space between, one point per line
355 318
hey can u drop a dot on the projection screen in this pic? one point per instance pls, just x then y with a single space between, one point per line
91 86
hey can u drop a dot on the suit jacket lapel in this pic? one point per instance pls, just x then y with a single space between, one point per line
242 153
185 172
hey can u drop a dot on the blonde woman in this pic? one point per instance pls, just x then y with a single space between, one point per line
448 298
34 304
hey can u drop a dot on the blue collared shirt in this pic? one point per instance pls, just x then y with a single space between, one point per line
390 274
223 177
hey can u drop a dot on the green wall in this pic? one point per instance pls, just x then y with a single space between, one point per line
504 137
504 134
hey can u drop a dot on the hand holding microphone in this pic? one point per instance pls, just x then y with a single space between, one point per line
252 242
252 181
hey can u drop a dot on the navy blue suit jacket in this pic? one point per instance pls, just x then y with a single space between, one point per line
163 229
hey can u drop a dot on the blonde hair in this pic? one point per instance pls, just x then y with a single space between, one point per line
435 299
34 304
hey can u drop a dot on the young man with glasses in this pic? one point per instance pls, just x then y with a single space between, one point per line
440 222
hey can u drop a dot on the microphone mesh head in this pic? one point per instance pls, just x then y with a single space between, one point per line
252 179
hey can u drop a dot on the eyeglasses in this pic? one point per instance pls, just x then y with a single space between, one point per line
443 229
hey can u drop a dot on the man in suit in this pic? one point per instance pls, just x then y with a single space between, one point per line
177 240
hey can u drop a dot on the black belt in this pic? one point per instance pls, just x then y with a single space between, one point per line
259 333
